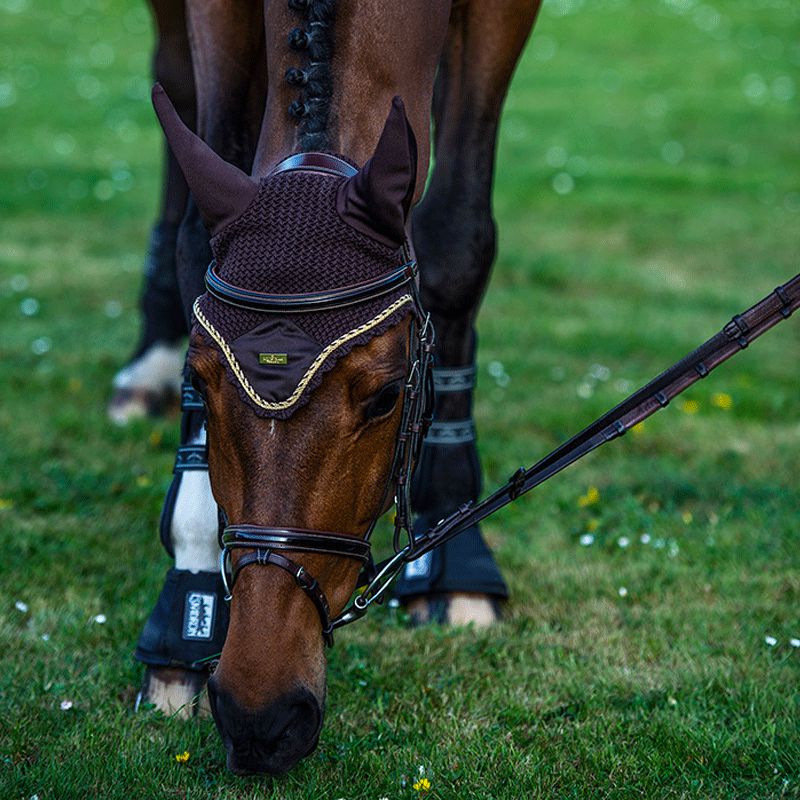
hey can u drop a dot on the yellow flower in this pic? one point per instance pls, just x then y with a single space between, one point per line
687 517
638 429
155 438
422 785
689 406
6 503
183 757
592 525
143 481
590 498
722 400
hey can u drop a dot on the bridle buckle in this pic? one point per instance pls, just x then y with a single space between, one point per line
303 580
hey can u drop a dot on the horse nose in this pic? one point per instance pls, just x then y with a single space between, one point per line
269 740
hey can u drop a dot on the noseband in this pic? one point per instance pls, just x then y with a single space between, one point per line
266 543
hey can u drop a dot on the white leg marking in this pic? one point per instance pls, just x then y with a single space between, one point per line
175 692
157 369
472 609
194 521
146 384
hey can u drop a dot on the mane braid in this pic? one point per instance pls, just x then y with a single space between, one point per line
318 91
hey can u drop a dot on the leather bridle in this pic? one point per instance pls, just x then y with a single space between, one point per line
267 543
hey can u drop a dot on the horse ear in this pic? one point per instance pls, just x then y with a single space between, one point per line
376 201
221 190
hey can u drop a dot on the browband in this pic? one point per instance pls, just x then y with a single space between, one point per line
308 301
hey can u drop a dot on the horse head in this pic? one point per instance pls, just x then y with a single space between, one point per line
301 348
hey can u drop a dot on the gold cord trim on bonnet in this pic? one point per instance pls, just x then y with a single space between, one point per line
310 372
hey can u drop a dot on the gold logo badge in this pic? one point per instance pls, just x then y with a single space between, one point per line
273 358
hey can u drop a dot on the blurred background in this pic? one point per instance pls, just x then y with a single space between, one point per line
648 187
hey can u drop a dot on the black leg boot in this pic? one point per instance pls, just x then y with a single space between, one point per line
186 630
448 475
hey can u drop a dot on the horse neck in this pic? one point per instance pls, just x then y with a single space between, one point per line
381 48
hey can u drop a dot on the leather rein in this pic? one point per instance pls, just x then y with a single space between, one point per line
267 544
736 336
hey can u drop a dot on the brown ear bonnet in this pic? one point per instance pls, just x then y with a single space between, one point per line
297 231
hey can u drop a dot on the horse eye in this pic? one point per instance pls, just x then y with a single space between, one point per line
384 402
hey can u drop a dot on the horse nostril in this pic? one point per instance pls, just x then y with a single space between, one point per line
272 739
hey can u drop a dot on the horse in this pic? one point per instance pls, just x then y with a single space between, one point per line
303 132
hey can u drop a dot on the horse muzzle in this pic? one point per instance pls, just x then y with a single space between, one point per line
269 740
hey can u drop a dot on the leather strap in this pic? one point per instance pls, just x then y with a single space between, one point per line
265 541
309 301
305 581
316 162
735 336
297 539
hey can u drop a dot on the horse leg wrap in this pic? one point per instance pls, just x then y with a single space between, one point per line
192 456
187 627
448 475
162 312
189 623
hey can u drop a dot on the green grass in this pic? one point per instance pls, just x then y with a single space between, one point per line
678 126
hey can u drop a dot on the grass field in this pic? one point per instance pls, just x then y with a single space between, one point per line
648 188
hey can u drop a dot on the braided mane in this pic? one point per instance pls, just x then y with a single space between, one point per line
315 79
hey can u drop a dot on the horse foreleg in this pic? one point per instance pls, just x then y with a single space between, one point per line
454 236
152 376
188 625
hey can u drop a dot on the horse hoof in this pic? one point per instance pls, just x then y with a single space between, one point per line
149 385
180 693
458 608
